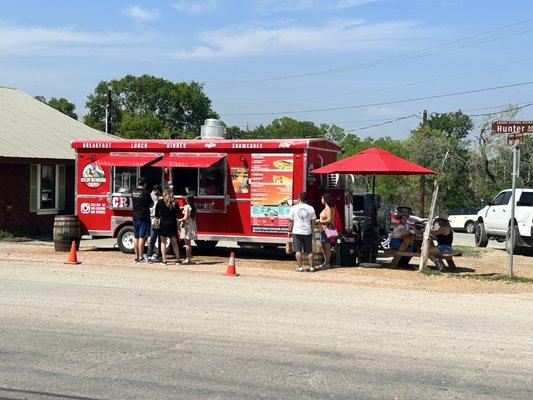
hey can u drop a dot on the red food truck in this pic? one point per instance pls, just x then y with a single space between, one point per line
243 188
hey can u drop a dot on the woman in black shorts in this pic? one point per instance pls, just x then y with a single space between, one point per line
167 210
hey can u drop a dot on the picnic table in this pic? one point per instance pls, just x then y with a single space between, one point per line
402 251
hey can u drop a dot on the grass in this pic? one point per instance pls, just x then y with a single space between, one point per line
5 235
497 278
472 252
25 235
430 271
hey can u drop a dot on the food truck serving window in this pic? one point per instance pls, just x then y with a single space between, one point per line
124 179
198 174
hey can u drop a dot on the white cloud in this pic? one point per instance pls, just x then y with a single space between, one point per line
139 14
38 40
339 35
300 5
194 7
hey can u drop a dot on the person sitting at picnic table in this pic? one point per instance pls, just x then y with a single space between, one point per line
444 237
398 235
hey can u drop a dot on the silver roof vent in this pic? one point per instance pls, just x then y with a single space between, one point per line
213 129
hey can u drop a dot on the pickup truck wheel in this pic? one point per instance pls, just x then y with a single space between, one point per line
125 239
470 227
480 235
512 245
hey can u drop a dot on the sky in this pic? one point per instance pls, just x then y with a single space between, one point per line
348 62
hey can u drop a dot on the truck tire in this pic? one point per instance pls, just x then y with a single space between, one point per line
125 239
508 245
470 227
480 235
206 244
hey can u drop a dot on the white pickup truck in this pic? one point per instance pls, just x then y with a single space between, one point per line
494 221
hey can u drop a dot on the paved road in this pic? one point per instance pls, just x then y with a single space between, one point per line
129 333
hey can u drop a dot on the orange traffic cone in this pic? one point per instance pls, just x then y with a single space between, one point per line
231 271
73 257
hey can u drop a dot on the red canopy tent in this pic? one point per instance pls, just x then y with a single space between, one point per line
373 161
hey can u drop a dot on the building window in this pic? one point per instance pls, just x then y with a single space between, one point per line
48 187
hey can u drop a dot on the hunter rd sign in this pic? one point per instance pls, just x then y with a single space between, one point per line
520 127
515 130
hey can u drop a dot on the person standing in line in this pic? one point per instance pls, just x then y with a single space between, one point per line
154 243
327 216
142 201
301 219
167 212
188 227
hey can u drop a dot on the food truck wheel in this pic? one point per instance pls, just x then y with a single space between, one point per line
206 244
125 239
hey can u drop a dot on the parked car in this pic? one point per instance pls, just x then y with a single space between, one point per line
462 218
388 219
494 222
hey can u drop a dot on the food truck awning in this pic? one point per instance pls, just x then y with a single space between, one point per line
189 160
128 159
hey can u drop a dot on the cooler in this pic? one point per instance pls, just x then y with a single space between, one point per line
346 250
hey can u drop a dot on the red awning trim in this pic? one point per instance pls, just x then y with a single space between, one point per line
190 160
128 159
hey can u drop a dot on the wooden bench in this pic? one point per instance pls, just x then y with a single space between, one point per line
397 255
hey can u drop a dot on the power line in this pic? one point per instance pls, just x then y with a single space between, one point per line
383 102
383 123
402 85
402 57
416 115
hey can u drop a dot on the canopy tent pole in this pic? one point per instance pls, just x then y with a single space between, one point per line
373 220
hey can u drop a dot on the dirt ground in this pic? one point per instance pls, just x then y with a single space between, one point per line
486 263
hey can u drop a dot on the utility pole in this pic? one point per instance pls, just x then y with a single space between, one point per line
422 185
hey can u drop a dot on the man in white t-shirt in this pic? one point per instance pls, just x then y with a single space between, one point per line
301 219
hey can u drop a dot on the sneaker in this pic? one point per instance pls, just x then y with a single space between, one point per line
143 260
299 269
311 269
154 258
163 262
137 260
187 261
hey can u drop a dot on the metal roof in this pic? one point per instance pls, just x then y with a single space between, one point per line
32 129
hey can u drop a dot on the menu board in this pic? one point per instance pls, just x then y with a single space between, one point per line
271 192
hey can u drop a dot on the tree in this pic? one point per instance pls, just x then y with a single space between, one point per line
60 104
427 146
287 127
150 107
491 163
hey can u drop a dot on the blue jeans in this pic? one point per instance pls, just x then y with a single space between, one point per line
141 228
444 248
396 243
153 250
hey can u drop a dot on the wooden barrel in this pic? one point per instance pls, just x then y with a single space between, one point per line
317 247
66 230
